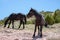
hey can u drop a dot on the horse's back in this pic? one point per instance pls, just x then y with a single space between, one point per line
12 16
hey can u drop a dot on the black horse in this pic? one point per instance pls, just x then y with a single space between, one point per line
18 16
40 22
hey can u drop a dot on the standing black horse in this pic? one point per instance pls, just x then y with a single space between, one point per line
40 22
18 16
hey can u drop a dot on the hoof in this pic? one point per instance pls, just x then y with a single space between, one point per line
12 27
33 36
7 27
40 36
18 28
23 28
4 26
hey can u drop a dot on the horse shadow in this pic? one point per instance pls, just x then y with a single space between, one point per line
16 28
36 37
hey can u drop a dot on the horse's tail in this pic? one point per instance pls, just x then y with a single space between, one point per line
46 24
6 22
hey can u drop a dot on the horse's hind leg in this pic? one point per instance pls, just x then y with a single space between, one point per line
41 31
34 31
20 24
23 25
9 24
6 22
38 30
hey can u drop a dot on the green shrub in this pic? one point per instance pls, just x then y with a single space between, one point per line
31 22
49 19
57 19
57 16
1 22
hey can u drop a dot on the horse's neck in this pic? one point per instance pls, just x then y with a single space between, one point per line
37 15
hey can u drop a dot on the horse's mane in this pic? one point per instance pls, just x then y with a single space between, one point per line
13 14
35 11
20 14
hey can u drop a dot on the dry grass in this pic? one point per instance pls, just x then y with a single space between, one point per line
51 33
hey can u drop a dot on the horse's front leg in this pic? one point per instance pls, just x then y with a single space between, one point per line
13 24
34 31
23 25
41 31
9 24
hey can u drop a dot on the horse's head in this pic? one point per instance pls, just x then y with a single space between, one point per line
31 13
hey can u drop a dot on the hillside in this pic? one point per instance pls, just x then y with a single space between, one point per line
51 33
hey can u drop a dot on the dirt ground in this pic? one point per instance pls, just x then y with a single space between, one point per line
51 33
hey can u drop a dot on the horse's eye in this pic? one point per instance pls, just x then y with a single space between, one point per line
30 12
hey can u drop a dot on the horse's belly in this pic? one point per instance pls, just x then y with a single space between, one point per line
40 22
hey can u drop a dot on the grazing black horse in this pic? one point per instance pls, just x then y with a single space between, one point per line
18 16
40 22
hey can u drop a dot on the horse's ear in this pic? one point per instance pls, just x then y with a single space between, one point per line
31 8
